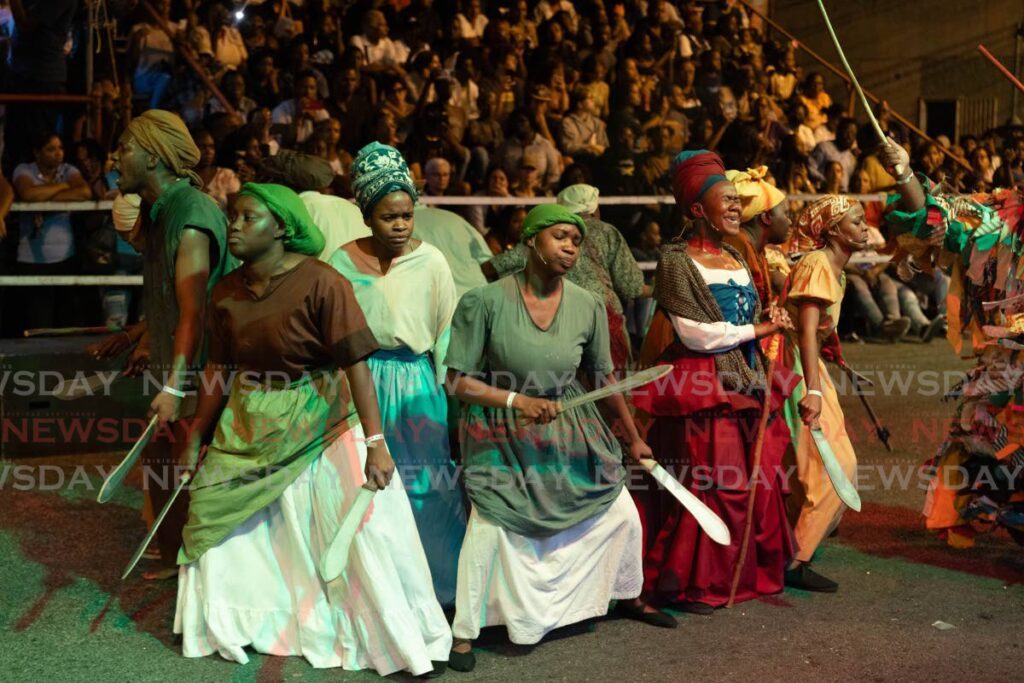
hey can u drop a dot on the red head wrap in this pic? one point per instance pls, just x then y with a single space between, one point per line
694 172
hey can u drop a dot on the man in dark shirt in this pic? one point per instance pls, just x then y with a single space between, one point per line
38 66
185 250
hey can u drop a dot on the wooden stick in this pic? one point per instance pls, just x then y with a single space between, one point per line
882 138
186 53
999 65
762 427
839 72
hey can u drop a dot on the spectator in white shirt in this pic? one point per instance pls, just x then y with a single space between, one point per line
228 45
303 111
470 23
382 53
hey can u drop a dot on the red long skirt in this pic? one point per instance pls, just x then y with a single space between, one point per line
706 439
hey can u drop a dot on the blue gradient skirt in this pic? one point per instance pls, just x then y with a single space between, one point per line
414 413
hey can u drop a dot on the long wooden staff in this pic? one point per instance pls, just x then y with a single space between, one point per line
762 427
186 53
1002 69
856 84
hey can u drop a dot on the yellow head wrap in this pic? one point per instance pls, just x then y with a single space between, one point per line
756 194
165 136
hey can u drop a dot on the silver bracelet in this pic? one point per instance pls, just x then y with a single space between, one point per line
905 179
815 392
511 398
373 439
172 391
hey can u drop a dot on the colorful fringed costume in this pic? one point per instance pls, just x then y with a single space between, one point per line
975 487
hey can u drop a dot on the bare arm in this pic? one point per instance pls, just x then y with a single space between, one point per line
6 199
78 190
27 192
191 275
379 465
471 390
912 193
810 406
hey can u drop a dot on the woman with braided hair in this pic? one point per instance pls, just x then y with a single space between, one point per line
707 325
828 232
297 435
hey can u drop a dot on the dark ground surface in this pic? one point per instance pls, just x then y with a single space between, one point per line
65 616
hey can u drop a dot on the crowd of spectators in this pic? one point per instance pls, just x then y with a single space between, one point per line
487 98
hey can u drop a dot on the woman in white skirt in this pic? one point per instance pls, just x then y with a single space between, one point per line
553 536
287 458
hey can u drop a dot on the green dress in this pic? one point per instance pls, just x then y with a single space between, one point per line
535 480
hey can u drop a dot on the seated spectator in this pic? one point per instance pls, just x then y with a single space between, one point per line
300 64
654 165
522 137
785 76
381 52
218 182
396 101
981 164
483 137
527 181
353 103
803 135
470 23
228 46
152 52
91 161
816 100
485 218
842 151
301 113
505 235
265 83
232 85
583 134
326 144
438 175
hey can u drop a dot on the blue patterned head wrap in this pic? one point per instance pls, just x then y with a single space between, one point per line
377 171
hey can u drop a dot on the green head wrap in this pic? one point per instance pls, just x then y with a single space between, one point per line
545 215
377 171
300 232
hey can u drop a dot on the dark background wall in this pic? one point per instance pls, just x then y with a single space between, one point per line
903 50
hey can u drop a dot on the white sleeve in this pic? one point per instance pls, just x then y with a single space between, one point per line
710 337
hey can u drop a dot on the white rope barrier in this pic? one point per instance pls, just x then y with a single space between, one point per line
136 280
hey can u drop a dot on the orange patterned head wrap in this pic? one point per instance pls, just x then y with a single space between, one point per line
816 219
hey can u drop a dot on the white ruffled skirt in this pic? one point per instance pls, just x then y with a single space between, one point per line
535 585
260 588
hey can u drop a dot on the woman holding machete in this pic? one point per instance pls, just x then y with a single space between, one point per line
828 232
707 326
407 294
552 535
286 461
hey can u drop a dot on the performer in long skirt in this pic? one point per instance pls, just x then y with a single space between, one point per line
707 326
828 231
407 294
287 458
552 534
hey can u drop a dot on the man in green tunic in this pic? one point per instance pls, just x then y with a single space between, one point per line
185 248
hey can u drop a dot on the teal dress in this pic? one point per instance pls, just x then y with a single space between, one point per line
409 310
536 480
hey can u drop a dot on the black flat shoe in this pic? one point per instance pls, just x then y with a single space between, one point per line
439 669
701 608
805 578
659 618
461 661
